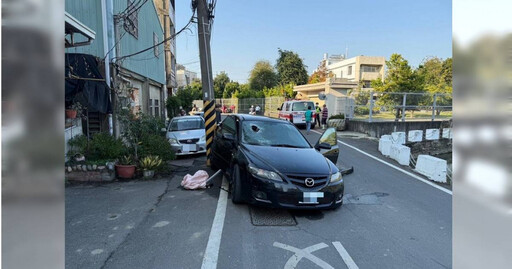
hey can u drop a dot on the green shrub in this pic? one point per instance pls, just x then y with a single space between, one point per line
362 110
338 116
77 146
155 145
104 146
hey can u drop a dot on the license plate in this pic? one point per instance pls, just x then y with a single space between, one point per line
187 147
297 118
311 198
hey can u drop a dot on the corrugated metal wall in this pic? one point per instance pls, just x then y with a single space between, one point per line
89 13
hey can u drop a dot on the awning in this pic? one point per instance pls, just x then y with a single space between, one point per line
74 26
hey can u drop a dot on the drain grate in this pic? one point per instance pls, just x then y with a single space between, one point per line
271 217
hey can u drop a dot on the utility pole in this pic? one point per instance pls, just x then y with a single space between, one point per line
203 27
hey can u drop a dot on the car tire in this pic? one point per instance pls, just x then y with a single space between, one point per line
236 186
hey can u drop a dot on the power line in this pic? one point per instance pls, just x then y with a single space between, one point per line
160 43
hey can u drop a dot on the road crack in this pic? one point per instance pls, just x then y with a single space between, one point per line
146 216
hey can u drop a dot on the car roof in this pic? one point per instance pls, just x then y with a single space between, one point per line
187 117
295 101
247 117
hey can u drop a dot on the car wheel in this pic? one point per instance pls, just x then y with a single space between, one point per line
236 186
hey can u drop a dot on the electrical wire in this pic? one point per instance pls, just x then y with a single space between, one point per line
160 43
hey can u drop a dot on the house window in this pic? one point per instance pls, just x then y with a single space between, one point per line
155 42
151 107
156 107
370 68
349 71
131 22
367 84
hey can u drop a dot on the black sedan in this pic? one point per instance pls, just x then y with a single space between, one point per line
269 162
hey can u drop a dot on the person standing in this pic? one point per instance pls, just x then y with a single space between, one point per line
308 115
218 117
182 111
251 110
318 111
194 108
325 114
257 109
232 107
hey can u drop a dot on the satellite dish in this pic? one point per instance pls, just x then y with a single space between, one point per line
321 96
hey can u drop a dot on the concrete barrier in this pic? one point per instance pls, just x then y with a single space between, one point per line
432 134
385 144
400 153
415 136
398 138
432 167
447 133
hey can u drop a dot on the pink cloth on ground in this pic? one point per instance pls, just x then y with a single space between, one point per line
197 181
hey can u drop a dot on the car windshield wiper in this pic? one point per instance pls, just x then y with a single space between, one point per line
285 146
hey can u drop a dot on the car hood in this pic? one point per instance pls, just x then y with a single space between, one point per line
290 160
187 134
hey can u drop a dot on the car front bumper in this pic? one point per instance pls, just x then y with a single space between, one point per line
288 195
187 149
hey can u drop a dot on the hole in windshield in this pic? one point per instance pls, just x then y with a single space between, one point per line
276 134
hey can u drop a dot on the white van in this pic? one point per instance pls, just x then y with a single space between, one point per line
293 111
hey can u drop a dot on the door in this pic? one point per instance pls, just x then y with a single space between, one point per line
327 145
225 142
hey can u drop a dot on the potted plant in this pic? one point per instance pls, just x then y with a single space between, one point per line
125 168
73 110
149 164
337 121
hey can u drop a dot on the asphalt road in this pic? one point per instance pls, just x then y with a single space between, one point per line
389 220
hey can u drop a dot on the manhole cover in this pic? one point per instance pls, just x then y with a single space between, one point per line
271 217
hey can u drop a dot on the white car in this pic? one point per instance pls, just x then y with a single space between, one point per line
293 111
187 135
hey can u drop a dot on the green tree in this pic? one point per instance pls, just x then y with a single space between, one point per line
280 90
290 68
185 96
219 84
262 75
230 89
437 79
400 78
245 91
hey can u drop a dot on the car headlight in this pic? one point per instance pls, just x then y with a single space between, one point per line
264 173
203 138
173 141
336 177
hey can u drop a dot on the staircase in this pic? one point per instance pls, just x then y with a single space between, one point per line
95 123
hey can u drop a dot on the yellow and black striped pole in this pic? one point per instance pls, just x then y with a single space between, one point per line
204 21
210 123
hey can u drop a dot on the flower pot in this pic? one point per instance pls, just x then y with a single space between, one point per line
339 124
70 113
125 171
148 173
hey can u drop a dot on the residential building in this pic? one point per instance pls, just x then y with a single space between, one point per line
359 69
166 15
185 77
125 28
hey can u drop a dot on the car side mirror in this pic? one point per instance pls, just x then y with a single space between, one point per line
228 137
279 108
323 145
163 130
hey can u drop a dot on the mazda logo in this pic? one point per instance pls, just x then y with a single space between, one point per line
309 182
189 141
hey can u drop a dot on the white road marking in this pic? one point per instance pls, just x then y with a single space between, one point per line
395 167
345 256
304 253
97 251
211 254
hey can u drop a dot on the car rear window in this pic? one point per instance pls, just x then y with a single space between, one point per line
302 106
186 124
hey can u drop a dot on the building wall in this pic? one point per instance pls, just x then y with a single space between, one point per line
146 64
89 13
185 77
341 69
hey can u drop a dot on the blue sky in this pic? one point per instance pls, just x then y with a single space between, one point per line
247 31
